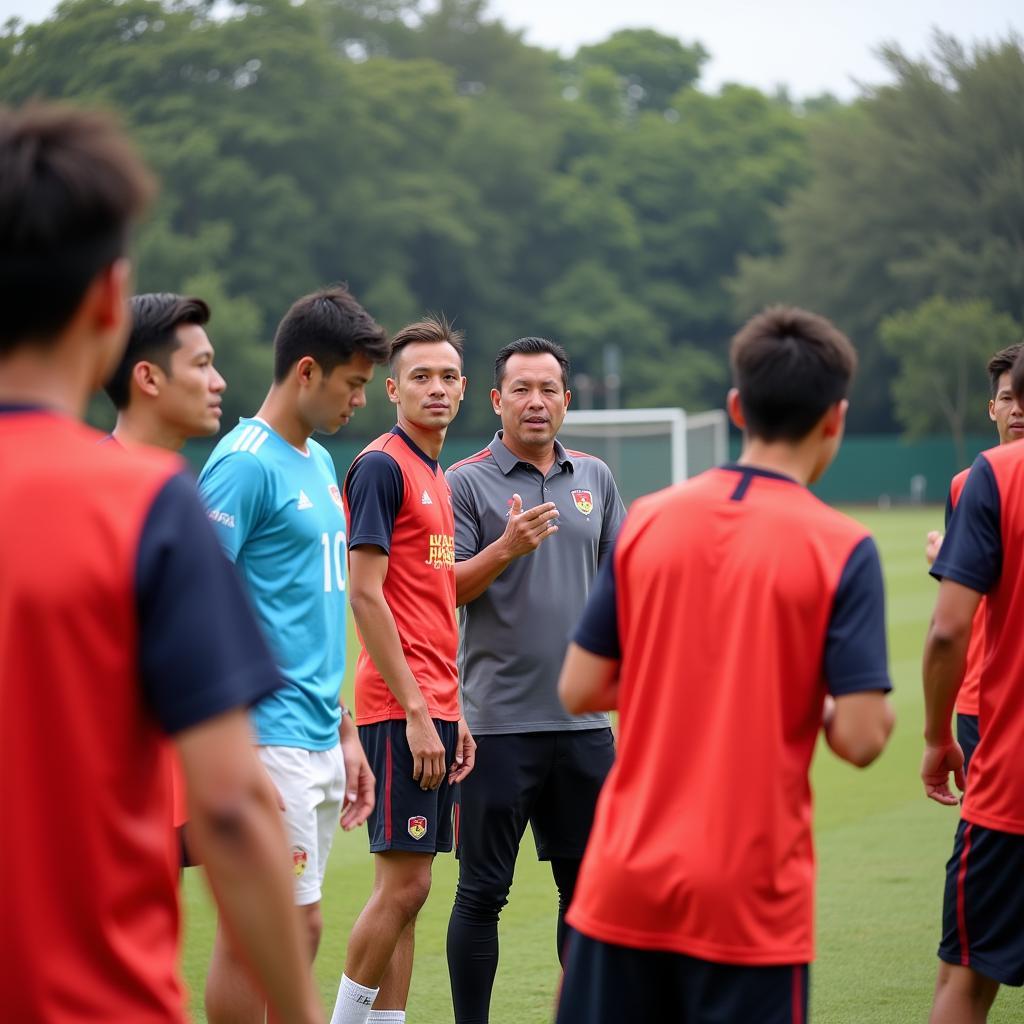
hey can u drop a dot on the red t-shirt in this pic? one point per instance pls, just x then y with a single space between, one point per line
967 698
120 623
738 600
400 501
984 550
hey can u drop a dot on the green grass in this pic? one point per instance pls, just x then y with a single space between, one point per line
881 851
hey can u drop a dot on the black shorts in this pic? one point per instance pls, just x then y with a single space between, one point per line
606 984
983 909
967 736
406 817
550 779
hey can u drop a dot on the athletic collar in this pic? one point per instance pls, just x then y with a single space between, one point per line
507 461
431 463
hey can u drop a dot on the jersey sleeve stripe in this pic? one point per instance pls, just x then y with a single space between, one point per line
244 436
478 457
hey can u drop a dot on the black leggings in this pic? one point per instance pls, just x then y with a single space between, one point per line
473 943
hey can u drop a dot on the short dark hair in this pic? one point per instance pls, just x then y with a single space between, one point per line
330 327
1002 362
1017 376
70 186
156 317
790 366
434 327
530 347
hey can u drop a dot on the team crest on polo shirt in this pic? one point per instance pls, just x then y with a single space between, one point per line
584 501
417 826
336 496
299 861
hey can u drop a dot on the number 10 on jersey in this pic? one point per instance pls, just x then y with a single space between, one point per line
334 560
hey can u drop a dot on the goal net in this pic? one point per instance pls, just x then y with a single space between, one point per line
647 449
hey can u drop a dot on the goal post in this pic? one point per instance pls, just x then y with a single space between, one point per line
647 449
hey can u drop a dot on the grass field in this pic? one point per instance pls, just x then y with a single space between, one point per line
881 847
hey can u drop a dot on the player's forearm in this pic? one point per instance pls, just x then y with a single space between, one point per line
588 682
244 851
945 657
474 575
859 727
384 646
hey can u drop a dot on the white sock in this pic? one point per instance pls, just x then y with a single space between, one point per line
354 1002
386 1017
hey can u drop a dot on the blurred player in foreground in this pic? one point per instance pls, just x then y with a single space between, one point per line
735 610
1006 413
402 552
982 557
523 579
273 497
120 624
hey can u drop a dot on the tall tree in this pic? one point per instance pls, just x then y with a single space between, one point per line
941 348
914 191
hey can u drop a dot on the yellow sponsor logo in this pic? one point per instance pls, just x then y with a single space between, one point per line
442 551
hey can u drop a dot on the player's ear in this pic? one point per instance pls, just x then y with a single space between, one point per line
735 409
463 395
834 419
391 384
496 401
992 410
568 398
306 371
147 377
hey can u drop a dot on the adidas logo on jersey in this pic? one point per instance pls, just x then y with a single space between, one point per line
303 501
425 499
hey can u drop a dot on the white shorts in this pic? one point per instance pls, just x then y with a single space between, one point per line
312 786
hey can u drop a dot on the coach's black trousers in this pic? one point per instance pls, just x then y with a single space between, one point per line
549 780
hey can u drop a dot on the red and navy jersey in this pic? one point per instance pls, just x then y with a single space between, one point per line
397 499
967 698
120 623
734 602
984 550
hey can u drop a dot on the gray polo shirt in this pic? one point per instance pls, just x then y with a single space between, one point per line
513 637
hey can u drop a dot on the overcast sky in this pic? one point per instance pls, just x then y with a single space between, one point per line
812 47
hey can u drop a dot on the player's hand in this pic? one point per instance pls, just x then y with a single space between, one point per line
932 546
937 763
465 754
428 767
525 530
360 795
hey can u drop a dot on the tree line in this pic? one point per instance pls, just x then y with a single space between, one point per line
430 157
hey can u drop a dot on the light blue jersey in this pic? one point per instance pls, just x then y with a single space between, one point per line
279 516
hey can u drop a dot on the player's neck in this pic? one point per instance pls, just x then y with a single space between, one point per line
430 442
282 416
135 428
798 461
37 377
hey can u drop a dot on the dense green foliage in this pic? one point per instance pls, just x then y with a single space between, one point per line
427 155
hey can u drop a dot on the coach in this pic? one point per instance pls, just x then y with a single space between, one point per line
522 580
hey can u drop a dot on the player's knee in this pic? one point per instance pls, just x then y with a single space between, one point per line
408 893
480 902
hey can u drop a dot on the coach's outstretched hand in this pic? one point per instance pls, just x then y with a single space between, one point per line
465 755
937 763
359 781
526 530
933 545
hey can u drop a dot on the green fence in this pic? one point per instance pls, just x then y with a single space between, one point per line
870 468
